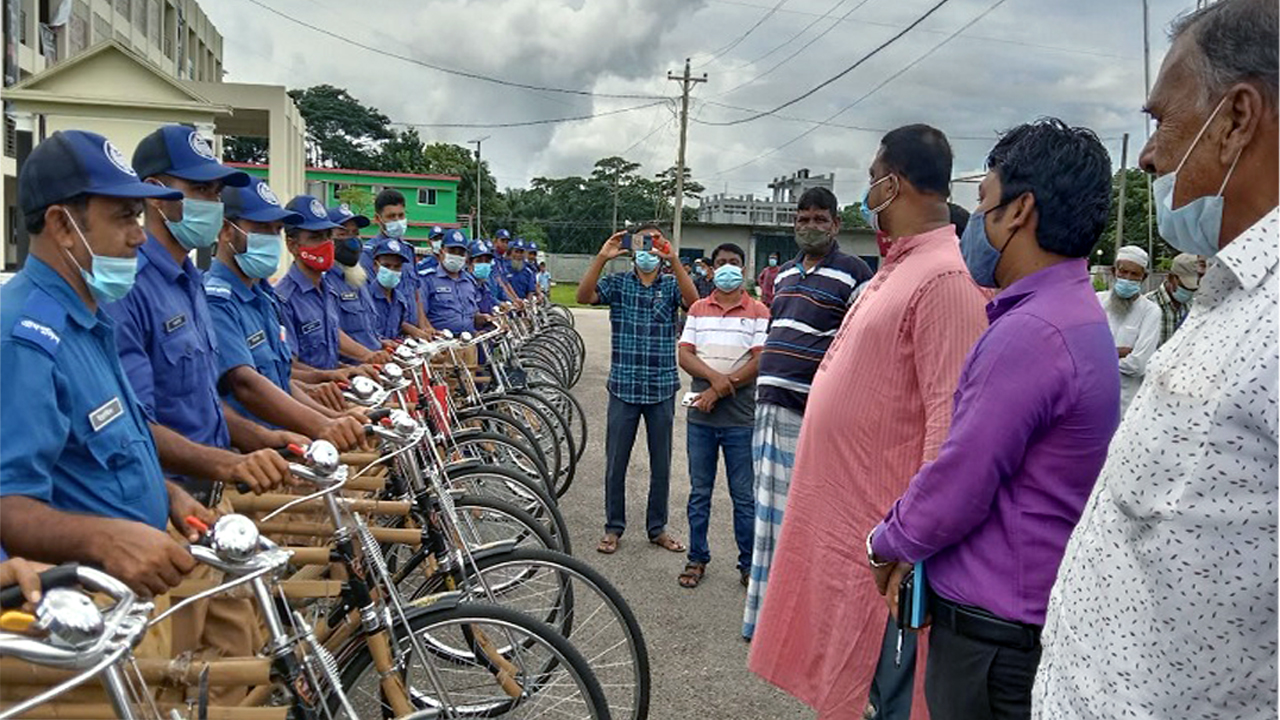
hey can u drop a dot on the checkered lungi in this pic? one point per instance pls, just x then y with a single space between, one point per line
773 451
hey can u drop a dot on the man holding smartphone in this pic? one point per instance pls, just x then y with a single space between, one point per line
643 306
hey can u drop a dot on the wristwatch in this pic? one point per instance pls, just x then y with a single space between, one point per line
871 555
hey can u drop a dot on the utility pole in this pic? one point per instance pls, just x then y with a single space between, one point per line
687 82
479 186
1124 182
1146 59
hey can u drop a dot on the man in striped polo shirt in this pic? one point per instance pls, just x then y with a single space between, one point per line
811 294
720 349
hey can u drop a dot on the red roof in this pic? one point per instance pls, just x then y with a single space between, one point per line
346 171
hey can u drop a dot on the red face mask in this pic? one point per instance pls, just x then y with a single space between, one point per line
317 257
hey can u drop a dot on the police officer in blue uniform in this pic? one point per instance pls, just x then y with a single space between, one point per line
165 335
351 280
79 472
392 299
501 261
247 324
481 266
310 304
519 281
429 263
450 293
393 224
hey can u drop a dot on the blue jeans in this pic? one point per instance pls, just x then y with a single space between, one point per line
620 434
704 442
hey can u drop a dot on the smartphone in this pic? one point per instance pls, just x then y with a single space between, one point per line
911 599
688 399
633 242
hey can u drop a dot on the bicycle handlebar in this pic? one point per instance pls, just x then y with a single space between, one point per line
61 576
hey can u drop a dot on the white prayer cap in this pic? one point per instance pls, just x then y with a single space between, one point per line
1133 254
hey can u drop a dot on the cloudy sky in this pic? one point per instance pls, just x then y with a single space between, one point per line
1080 60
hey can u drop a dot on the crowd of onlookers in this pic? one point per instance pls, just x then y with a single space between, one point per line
1079 486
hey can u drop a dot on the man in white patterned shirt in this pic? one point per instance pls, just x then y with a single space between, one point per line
1165 603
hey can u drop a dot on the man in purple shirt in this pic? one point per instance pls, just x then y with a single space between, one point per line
1034 412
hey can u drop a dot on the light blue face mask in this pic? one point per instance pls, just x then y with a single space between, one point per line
396 228
1183 296
112 277
387 277
261 257
728 278
872 215
200 223
646 262
979 256
1196 227
482 269
1126 288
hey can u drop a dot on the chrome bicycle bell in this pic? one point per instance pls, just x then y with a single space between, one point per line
393 372
70 617
363 387
235 538
323 456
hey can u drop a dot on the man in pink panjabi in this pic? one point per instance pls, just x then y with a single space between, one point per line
879 409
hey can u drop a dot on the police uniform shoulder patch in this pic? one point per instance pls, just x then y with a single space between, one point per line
216 287
42 321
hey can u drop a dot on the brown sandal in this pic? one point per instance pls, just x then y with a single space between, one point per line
692 575
608 544
669 543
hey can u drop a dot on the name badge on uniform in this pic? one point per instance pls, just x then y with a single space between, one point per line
175 322
106 414
348 296
444 289
284 333
256 339
311 327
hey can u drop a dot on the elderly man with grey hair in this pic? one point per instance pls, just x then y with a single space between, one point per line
1165 602
1134 320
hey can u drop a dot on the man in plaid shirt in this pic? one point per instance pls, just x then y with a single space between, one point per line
643 307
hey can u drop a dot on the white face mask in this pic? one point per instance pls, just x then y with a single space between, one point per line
1196 227
396 228
453 263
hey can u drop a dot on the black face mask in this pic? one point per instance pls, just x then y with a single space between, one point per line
347 252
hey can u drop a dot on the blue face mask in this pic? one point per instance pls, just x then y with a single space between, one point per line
646 262
1183 296
728 278
1196 227
872 216
261 257
112 277
200 223
773 262
387 277
979 256
1126 288
396 228
482 269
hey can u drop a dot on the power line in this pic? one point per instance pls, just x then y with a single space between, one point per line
840 74
873 90
450 71
824 123
983 38
798 50
527 123
792 39
744 35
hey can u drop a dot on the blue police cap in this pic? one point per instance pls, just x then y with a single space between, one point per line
74 162
480 247
531 246
391 246
436 231
255 202
502 235
341 213
455 238
314 216
517 244
178 150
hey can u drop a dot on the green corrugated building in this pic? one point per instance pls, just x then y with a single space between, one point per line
429 199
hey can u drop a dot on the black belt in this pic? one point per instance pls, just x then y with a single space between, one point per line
978 624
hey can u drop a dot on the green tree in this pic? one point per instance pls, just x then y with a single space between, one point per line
851 216
341 131
450 159
403 153
245 149
358 198
667 188
1137 203
616 174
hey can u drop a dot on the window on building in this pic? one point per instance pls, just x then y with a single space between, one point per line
10 137
426 196
22 26
153 22
101 29
124 7
78 38
169 29
140 16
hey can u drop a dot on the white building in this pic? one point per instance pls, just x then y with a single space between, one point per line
779 209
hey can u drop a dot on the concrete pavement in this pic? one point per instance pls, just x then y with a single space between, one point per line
697 655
